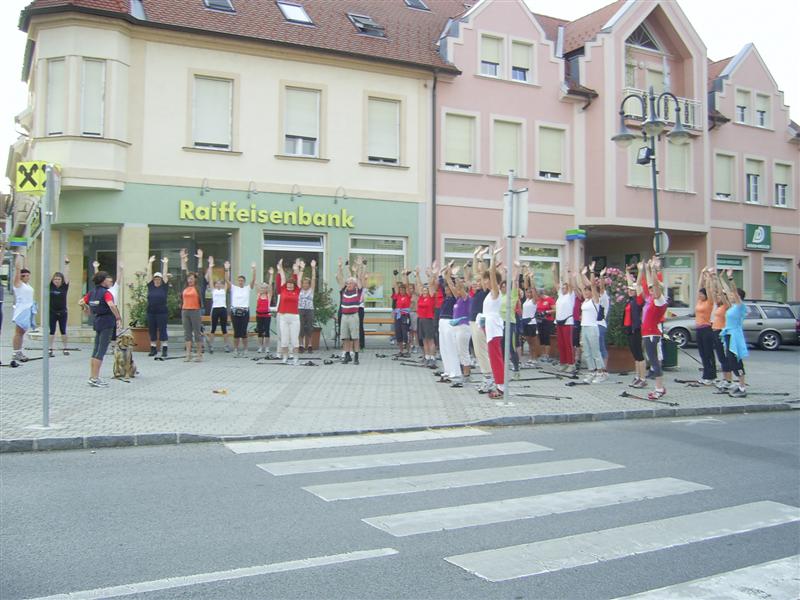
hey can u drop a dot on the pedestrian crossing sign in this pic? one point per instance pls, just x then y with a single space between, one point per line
31 177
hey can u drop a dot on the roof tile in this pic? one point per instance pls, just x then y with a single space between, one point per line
582 30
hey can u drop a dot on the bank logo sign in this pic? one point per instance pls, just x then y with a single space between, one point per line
229 212
757 237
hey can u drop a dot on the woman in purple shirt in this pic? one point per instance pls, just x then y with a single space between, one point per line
460 331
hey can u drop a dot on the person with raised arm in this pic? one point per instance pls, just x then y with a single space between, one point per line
349 299
591 313
632 323
157 311
494 327
106 320
564 320
288 315
602 324
425 323
192 294
733 335
306 308
478 333
402 312
721 305
263 315
24 309
59 286
219 305
705 335
529 324
451 368
654 309
459 330
240 308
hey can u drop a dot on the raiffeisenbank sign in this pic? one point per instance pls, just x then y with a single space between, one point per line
230 212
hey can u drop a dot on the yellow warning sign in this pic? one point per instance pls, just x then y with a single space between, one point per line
31 177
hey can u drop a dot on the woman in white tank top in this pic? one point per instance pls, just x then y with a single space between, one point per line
23 307
219 306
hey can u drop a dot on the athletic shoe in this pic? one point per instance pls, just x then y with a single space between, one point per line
65 352
724 385
346 359
301 349
51 354
355 360
457 384
706 382
163 352
309 349
227 348
285 360
589 378
642 384
529 363
153 351
600 378
295 361
98 383
656 394
738 392
210 348
20 356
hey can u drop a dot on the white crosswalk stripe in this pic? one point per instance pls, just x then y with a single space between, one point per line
338 441
774 579
456 479
484 513
552 555
393 459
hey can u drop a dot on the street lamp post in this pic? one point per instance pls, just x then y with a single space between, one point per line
653 106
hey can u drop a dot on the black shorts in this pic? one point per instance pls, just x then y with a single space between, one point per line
530 330
219 316
545 331
576 335
635 345
240 322
426 330
262 326
58 317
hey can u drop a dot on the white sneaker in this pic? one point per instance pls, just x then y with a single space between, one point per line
589 378
600 378
295 361
285 360
99 383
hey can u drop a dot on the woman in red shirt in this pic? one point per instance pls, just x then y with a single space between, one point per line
263 316
426 328
288 314
402 314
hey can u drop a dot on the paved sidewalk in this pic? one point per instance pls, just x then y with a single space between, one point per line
172 401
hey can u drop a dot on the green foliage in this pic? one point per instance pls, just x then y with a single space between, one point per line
173 303
324 308
137 301
616 287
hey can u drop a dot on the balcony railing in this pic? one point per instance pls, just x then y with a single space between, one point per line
691 110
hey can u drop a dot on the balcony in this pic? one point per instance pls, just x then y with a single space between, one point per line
691 110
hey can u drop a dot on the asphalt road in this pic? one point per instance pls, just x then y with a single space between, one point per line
81 520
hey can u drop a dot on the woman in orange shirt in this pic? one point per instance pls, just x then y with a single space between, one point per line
721 304
705 335
192 298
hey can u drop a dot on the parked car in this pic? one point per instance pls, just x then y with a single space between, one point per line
795 306
767 324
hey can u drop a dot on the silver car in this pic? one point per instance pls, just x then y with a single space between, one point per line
767 324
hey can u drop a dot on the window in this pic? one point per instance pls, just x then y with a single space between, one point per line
679 280
642 37
572 69
137 10
291 247
506 148
367 26
776 312
491 51
783 175
294 13
723 177
678 167
742 106
384 256
462 250
541 260
225 5
551 153
56 95
638 175
302 122
520 61
736 265
754 170
459 142
418 4
93 84
630 75
383 131
212 115
655 78
762 110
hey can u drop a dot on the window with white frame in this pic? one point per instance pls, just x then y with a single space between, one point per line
754 174
541 260
462 251
521 54
723 177
678 167
301 133
638 175
762 110
212 113
783 178
491 56
506 148
736 264
459 142
294 13
655 78
383 256
56 96
776 282
742 106
223 5
93 87
383 131
551 153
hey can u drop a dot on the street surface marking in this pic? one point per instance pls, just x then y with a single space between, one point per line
177 582
484 513
701 421
456 479
775 579
393 459
547 556
337 441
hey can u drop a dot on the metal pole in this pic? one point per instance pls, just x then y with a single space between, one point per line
47 201
654 177
510 205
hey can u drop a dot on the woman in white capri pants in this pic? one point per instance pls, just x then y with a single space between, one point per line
459 331
288 314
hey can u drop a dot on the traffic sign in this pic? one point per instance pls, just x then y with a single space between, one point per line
661 242
31 177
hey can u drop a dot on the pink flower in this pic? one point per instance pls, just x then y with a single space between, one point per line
620 298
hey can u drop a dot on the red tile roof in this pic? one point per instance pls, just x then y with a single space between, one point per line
411 34
550 25
715 68
582 30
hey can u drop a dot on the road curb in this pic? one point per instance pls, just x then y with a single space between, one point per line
164 439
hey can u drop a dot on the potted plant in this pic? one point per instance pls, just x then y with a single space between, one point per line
324 311
137 312
620 359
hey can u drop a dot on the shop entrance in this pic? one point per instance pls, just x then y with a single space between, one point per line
291 247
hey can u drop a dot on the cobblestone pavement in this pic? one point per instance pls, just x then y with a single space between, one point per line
261 399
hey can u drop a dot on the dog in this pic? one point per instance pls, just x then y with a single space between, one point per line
124 367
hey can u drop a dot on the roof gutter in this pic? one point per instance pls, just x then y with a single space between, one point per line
433 167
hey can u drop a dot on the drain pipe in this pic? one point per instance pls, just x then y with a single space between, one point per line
433 168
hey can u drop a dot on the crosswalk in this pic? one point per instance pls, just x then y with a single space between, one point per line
537 558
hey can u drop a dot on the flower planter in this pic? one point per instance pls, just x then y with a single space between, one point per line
315 333
141 339
620 360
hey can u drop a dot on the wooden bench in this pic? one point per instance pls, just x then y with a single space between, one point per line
379 321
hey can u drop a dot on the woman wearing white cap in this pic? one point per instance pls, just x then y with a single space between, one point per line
157 313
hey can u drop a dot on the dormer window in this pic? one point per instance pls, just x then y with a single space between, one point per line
643 38
224 5
137 10
366 25
418 4
294 13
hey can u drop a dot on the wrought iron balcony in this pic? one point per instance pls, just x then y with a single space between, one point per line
691 110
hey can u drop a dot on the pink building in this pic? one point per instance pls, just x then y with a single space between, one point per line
542 96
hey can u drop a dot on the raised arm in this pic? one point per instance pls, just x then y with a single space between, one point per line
66 270
150 262
639 276
209 270
17 269
227 266
658 289
184 254
271 278
495 288
593 287
280 272
313 274
252 275
199 257
96 267
733 291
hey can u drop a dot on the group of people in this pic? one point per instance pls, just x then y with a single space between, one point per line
455 312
